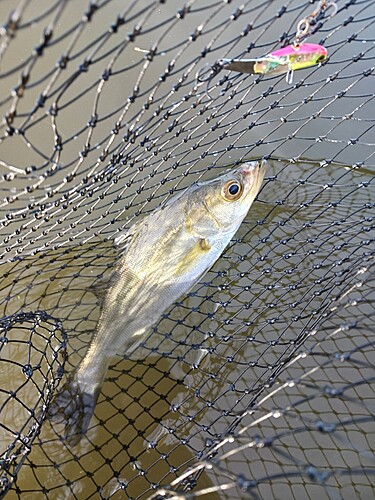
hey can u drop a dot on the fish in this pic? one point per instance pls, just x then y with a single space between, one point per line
285 60
162 257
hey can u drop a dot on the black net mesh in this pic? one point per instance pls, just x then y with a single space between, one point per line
260 381
313 423
32 358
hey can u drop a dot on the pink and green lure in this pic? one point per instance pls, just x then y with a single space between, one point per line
285 60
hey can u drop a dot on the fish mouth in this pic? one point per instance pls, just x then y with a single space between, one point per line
253 173
252 169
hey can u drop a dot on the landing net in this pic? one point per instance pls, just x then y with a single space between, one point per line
260 382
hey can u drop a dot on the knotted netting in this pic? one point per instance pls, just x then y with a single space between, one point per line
260 382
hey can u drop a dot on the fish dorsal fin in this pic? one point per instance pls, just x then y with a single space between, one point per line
99 288
173 199
125 237
123 240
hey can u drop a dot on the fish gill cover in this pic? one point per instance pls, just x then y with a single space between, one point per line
260 382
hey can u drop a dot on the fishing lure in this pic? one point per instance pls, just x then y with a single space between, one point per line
285 60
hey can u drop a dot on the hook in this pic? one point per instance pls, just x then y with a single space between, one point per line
335 9
289 76
206 76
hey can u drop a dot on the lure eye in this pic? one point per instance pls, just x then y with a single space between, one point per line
321 58
232 190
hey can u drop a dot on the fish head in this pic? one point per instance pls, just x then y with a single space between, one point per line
227 199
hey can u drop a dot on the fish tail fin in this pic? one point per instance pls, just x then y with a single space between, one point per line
74 408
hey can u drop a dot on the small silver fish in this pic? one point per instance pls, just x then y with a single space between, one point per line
165 254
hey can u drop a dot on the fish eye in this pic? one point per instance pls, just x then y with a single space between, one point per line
232 190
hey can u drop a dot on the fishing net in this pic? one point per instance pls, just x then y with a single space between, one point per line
260 382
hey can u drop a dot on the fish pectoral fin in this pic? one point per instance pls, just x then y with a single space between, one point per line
204 244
